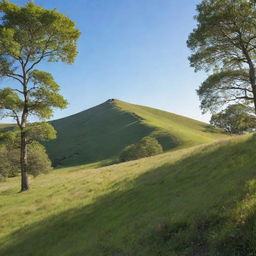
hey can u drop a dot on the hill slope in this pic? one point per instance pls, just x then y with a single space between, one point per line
102 132
6 126
199 201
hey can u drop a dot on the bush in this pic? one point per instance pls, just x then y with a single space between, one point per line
38 161
9 162
146 147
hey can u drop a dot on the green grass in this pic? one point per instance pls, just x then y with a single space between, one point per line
102 132
194 201
6 126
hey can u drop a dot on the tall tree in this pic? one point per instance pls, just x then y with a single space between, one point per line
235 119
224 42
28 36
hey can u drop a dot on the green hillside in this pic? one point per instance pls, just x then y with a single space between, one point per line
199 201
102 132
6 126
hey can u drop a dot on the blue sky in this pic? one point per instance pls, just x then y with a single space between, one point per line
132 50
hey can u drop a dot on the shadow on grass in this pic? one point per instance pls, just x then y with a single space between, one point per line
211 129
177 209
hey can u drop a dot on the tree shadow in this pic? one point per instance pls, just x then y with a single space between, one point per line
153 215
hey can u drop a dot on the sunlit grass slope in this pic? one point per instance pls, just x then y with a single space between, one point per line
183 131
199 201
102 132
6 126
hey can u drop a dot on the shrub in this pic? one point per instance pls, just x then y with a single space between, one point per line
38 161
146 147
8 163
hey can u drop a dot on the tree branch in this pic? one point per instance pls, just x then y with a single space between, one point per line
14 77
244 98
43 55
18 91
35 63
16 117
238 88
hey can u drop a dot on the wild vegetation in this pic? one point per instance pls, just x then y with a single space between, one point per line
224 42
38 161
105 130
235 119
37 158
148 146
195 201
191 193
28 36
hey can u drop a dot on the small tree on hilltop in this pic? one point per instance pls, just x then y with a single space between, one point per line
224 42
28 36
236 119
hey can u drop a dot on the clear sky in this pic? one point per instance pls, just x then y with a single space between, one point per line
132 50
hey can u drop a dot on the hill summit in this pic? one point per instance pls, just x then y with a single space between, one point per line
102 132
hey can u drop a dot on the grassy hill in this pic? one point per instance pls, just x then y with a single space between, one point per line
102 132
6 126
198 201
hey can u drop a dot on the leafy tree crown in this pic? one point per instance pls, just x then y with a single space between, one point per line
224 42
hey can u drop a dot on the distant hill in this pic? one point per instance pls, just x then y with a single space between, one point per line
102 132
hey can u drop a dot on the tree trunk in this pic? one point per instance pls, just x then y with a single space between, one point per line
252 75
254 100
253 82
23 162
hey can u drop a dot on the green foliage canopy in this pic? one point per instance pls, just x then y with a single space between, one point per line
32 33
236 119
41 131
28 36
38 160
146 147
224 42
